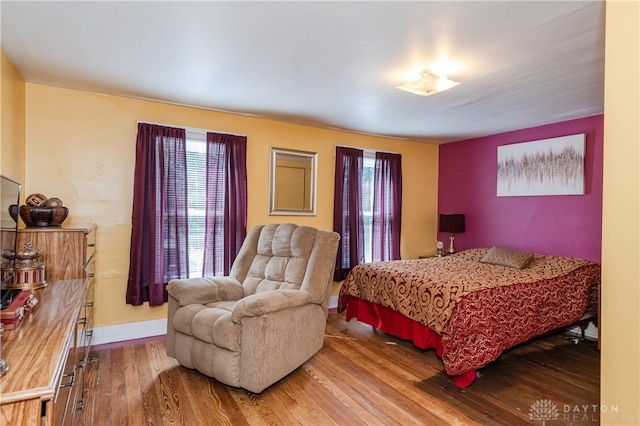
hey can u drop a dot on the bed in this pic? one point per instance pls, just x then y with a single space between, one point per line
473 305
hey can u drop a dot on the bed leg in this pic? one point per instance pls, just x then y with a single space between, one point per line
583 326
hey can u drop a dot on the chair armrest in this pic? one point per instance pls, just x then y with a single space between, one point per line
269 301
205 290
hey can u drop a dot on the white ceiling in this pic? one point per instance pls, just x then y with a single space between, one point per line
330 64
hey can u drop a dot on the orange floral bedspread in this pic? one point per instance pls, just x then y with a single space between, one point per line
479 310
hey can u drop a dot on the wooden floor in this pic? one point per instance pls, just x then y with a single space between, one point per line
361 376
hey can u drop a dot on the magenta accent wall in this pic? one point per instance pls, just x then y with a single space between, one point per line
567 225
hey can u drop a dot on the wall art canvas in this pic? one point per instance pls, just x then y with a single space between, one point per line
545 167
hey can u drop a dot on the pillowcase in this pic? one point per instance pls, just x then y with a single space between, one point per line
506 257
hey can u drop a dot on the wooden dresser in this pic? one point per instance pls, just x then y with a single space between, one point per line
46 353
67 252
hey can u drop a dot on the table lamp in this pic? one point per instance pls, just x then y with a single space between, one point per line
453 224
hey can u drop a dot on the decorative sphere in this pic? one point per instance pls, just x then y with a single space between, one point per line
53 202
36 200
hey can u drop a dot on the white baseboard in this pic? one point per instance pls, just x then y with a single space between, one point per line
129 331
144 329
333 302
591 332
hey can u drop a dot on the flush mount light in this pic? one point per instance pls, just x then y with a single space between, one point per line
429 83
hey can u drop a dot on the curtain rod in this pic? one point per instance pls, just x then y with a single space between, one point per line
190 129
368 150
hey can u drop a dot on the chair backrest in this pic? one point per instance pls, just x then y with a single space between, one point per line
286 256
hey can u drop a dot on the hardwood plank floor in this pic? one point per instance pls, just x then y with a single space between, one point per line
361 376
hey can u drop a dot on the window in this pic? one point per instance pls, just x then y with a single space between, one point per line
222 245
367 207
368 166
189 208
368 196
196 199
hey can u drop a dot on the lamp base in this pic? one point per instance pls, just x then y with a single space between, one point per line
452 249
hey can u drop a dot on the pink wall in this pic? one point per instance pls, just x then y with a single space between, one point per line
563 225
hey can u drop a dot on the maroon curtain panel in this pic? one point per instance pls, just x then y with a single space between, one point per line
159 221
226 202
387 206
348 219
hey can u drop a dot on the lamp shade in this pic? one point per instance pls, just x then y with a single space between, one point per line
452 223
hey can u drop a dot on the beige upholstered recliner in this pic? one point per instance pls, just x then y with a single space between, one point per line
265 319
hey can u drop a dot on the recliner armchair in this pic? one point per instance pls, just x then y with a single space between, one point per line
265 319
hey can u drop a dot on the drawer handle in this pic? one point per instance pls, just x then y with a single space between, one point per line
89 304
72 376
82 321
91 275
91 245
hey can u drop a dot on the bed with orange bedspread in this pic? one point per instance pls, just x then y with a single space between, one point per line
470 311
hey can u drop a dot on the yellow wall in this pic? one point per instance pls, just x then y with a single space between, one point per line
12 121
620 334
80 147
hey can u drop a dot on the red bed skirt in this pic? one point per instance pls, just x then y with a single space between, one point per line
396 324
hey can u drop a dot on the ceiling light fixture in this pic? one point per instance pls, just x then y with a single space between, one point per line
429 83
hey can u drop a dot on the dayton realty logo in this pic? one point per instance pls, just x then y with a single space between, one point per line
543 410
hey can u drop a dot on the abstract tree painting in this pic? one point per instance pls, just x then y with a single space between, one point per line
545 167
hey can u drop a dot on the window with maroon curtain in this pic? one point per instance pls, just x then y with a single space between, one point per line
387 206
348 220
159 221
226 201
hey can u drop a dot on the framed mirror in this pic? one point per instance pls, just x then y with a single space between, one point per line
292 182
